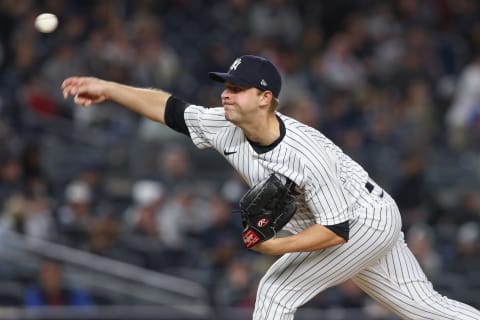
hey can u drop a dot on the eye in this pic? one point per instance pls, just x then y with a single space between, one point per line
235 89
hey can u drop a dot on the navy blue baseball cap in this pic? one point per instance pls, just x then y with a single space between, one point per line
251 71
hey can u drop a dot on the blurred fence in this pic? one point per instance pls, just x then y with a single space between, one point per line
167 313
122 283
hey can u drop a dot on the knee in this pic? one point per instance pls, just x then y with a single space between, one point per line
277 299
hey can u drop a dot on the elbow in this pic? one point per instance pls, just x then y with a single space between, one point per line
332 242
339 240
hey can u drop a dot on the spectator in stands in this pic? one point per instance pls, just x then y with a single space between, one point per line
50 289
141 217
39 221
273 19
468 208
421 240
76 217
466 261
341 69
157 64
29 212
415 116
103 240
233 188
13 211
221 239
92 175
185 214
464 113
234 287
303 108
468 245
141 223
11 173
174 166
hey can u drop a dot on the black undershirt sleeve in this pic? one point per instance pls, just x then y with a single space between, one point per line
341 229
174 115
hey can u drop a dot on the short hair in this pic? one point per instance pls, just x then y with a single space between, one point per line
274 103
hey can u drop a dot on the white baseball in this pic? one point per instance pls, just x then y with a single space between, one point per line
46 22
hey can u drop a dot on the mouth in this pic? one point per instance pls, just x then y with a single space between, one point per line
228 106
228 110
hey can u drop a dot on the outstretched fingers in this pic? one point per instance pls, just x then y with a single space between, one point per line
70 86
85 90
82 101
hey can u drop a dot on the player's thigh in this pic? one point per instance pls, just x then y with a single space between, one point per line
399 268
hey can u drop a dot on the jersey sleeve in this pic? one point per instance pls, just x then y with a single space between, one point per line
341 229
174 114
204 124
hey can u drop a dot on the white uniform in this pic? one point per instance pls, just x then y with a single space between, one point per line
332 189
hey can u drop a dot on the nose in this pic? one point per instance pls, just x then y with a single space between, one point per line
225 94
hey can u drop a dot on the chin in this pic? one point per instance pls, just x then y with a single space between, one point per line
230 119
228 115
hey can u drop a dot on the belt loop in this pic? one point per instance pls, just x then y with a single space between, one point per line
369 187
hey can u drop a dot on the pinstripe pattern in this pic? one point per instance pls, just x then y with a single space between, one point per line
398 282
329 181
331 190
288 285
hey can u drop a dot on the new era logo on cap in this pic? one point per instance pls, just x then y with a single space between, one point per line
251 71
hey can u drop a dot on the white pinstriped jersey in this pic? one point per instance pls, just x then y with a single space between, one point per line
331 190
328 181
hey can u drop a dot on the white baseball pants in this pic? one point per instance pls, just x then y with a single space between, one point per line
376 258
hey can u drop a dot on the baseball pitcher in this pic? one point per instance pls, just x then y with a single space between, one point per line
341 224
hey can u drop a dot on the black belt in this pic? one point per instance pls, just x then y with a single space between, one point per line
369 186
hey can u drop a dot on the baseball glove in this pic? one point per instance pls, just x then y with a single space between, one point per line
265 209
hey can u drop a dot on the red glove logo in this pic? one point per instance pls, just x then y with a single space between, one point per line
250 238
262 222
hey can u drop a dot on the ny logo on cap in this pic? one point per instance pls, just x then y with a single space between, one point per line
235 64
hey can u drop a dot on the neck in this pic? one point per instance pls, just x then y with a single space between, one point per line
263 131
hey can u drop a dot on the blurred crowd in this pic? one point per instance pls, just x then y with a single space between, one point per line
396 84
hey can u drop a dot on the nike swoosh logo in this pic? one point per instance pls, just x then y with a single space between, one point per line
227 153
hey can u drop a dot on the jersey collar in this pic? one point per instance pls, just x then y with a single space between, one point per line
264 149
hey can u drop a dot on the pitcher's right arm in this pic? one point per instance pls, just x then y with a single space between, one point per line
86 91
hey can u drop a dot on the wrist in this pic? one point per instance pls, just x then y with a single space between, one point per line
109 88
273 246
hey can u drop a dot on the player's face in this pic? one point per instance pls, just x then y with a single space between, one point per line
240 103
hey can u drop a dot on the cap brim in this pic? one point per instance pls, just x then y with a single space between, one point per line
227 77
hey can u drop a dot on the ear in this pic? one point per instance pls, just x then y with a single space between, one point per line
266 98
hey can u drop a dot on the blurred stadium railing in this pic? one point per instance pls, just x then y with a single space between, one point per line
116 281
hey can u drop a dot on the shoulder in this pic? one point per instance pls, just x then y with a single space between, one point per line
294 124
299 132
308 144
